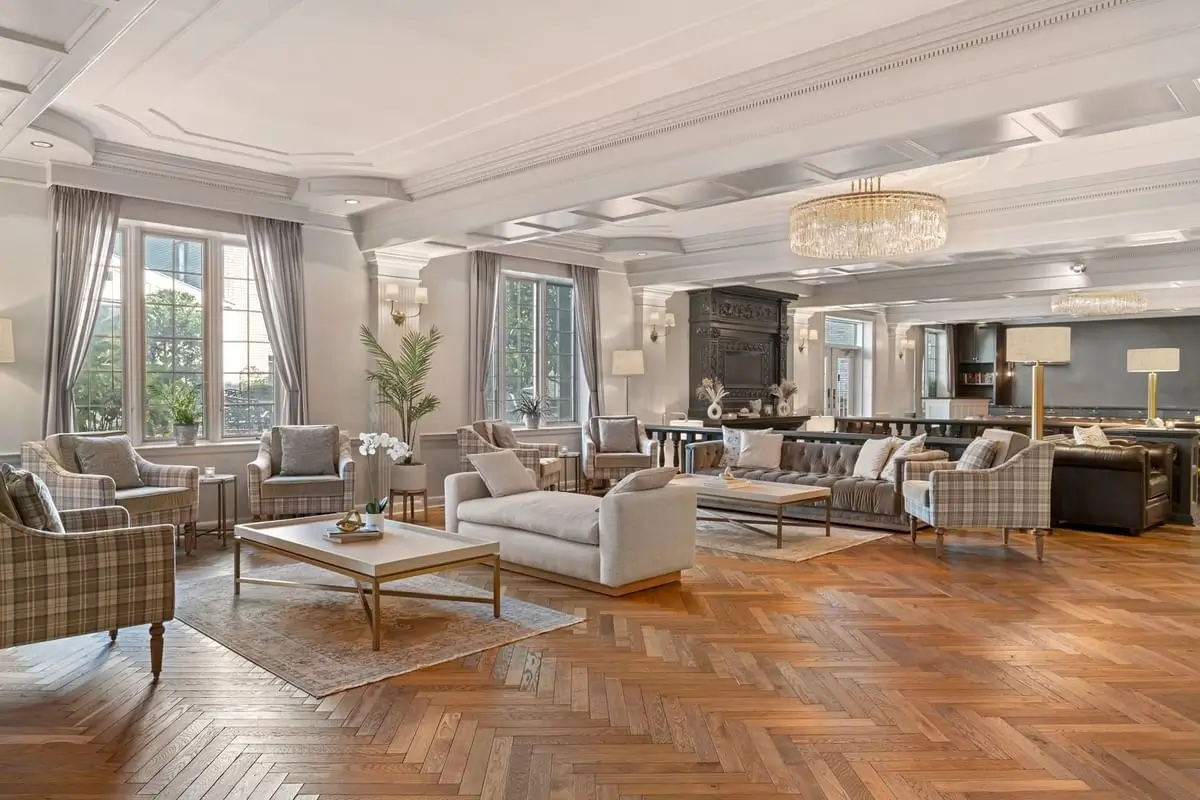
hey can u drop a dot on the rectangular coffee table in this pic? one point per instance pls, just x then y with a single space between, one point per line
402 552
771 495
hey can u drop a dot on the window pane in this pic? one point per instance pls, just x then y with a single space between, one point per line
517 360
842 332
247 363
99 392
173 293
557 360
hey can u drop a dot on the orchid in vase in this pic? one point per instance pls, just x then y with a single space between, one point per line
375 446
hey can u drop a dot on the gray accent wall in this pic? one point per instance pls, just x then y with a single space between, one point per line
1096 375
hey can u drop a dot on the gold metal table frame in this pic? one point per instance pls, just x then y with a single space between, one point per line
368 585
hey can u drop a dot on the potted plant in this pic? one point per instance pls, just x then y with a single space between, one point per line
530 406
712 390
184 402
400 383
374 446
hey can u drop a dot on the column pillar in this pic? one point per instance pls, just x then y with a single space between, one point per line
648 393
808 367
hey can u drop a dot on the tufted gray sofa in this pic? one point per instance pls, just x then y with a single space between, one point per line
856 501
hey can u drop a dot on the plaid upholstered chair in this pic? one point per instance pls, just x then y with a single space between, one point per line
170 495
274 495
601 464
542 457
1012 495
101 575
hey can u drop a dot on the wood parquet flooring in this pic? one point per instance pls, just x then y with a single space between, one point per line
876 673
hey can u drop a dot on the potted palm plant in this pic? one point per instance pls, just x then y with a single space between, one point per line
400 383
184 402
530 406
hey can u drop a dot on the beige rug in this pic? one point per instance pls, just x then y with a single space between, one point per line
801 540
320 642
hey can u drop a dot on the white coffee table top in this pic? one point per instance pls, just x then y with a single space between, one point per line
402 548
753 491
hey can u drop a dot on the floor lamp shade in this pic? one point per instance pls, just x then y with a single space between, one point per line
1152 360
8 353
628 362
1038 346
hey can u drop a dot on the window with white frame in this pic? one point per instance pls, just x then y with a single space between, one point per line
179 313
535 348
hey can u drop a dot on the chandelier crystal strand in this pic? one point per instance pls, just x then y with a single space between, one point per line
869 222
1098 304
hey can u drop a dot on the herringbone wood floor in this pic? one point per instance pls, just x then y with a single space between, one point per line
878 672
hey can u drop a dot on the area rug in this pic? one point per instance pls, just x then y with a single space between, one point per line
801 541
319 641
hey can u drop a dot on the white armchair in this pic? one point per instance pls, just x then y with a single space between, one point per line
273 495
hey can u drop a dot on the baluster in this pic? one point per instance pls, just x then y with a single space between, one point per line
678 437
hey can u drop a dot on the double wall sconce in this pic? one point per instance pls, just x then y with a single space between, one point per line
807 335
903 346
668 322
420 297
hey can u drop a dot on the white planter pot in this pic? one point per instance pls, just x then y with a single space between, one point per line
532 422
714 411
408 477
374 520
186 434
781 408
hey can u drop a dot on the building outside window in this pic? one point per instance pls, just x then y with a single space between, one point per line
844 344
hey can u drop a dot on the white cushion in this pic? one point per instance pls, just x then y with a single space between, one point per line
503 473
1009 443
872 458
760 449
732 440
1093 435
645 479
563 515
902 449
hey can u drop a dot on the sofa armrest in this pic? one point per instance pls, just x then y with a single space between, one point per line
168 474
901 473
105 518
703 455
459 488
544 449
921 470
646 534
69 489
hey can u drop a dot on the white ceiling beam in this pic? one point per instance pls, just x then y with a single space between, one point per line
1160 303
28 39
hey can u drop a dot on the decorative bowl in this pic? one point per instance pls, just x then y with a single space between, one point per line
349 523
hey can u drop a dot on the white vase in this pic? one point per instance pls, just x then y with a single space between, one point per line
533 421
408 477
374 521
781 408
714 411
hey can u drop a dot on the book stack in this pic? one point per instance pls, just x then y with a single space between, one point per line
360 535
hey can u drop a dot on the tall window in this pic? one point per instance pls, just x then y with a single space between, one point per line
189 303
535 348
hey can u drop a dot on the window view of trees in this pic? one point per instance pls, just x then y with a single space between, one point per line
536 351
99 392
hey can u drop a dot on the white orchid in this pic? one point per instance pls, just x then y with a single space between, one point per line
370 445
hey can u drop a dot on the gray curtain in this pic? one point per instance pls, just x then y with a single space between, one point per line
951 371
482 295
587 332
277 258
84 233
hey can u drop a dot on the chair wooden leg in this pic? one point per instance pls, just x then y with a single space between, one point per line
912 529
156 649
1006 532
1039 536
112 635
941 534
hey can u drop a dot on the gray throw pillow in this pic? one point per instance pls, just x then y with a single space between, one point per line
7 509
109 455
307 449
503 473
619 435
980 454
31 498
503 436
645 479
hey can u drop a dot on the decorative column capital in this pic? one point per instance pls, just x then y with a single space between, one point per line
652 296
397 264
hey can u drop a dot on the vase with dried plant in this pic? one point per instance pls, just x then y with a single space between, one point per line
783 391
712 390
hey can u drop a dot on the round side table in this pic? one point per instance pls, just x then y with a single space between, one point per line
224 525
573 465
408 504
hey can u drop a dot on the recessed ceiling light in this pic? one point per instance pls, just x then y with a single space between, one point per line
352 202
642 253
40 143
1079 268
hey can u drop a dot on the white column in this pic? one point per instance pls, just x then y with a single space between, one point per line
798 359
648 393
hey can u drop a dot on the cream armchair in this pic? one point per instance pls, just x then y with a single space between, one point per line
1013 495
101 575
170 495
273 495
542 458
602 466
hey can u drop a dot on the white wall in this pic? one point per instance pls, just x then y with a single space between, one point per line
677 385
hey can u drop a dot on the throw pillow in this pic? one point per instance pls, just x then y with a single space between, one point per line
503 436
904 449
109 455
1092 435
1008 443
980 454
7 509
760 450
307 449
645 479
732 441
872 457
619 435
503 473
31 499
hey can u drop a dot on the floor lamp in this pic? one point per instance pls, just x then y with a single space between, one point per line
1038 346
1152 360
626 363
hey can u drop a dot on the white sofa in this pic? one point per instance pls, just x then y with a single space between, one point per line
614 545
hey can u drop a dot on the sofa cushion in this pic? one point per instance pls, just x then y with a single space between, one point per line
31 498
980 454
819 457
483 428
306 449
153 499
644 480
847 493
563 515
503 473
280 486
872 457
503 436
760 449
7 509
622 461
1158 484
618 435
1093 435
732 440
1008 443
917 492
109 455
903 449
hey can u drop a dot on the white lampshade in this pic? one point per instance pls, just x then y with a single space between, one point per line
670 320
1050 345
391 291
813 334
7 351
628 362
420 295
1152 359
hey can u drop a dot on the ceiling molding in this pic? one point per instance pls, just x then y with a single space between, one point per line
138 161
351 185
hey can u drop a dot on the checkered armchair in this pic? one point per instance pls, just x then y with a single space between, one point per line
540 457
1012 495
101 575
273 495
601 466
170 496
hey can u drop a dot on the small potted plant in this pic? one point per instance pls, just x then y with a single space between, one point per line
185 412
784 392
530 406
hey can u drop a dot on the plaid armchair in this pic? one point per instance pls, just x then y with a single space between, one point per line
542 458
1014 494
170 496
599 466
273 495
101 575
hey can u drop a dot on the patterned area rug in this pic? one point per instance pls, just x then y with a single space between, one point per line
801 540
319 641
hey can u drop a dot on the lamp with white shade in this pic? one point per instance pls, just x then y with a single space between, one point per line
1039 346
8 353
1152 360
626 363
668 321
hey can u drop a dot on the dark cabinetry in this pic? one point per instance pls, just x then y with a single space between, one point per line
979 356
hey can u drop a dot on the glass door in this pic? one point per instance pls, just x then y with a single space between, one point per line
843 378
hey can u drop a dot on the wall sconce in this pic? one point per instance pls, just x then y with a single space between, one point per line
807 335
904 346
8 353
420 297
668 323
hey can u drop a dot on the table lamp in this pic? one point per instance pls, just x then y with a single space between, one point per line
1039 346
626 363
1152 360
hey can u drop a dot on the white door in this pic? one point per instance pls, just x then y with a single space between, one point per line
843 376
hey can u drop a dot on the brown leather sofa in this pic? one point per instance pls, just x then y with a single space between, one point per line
1126 485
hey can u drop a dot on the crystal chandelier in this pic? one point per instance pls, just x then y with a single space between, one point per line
869 222
1098 304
